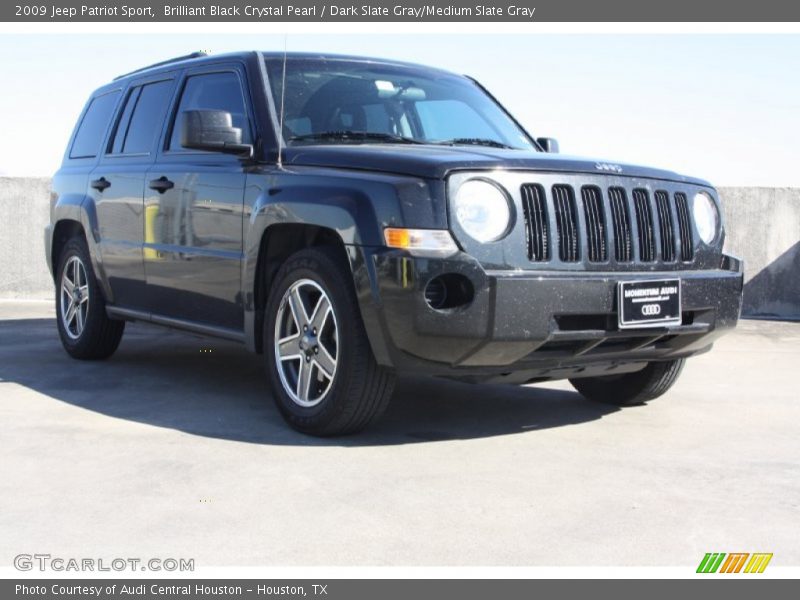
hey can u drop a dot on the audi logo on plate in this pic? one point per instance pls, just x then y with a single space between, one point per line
651 310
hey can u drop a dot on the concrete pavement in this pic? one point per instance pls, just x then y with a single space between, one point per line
173 448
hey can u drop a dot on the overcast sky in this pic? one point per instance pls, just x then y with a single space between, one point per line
724 108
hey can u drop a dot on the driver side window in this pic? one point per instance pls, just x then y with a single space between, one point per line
212 91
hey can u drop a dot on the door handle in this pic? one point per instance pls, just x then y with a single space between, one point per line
161 185
101 184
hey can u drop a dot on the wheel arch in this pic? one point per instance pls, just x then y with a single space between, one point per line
63 231
278 242
76 215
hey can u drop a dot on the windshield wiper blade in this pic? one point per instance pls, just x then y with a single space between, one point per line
476 142
356 136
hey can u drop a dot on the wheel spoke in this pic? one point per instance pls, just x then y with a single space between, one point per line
304 380
288 348
325 362
320 314
79 319
70 313
298 309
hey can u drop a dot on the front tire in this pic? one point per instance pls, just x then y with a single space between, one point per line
85 330
631 388
323 376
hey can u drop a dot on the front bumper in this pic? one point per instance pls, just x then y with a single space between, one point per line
524 325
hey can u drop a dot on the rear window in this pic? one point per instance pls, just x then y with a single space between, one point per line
93 126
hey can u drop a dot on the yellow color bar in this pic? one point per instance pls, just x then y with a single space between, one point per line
758 562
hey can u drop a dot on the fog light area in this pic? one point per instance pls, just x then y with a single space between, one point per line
449 291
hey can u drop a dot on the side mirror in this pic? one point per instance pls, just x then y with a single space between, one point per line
212 130
549 145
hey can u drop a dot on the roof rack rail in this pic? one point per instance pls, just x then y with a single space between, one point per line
198 54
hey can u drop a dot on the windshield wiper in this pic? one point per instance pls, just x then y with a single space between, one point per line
354 136
476 142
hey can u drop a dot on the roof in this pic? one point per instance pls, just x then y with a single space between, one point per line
200 57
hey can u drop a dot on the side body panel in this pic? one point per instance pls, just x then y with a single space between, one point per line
120 225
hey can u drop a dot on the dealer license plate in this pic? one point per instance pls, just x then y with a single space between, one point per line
649 303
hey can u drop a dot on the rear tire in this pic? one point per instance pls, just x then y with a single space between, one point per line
321 369
631 388
86 331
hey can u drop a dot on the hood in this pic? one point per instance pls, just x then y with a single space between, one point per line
436 162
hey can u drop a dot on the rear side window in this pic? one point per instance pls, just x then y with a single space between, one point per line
142 118
212 91
93 126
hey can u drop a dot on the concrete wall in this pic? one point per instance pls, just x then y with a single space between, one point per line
24 212
763 227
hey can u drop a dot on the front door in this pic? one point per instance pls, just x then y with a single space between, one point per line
193 213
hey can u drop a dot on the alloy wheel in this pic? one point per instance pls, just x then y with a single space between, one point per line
74 297
306 343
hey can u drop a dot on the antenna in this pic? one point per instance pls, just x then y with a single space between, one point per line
283 97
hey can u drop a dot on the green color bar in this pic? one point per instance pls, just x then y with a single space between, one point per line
718 562
701 567
711 562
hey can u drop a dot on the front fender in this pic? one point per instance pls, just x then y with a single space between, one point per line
348 212
357 206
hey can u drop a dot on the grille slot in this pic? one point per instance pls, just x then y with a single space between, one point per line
537 230
595 223
566 223
684 226
644 221
622 224
665 226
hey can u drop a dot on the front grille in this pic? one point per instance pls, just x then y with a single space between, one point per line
644 222
595 222
534 205
566 223
684 226
624 225
665 226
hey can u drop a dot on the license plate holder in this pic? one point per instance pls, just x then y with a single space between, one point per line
651 303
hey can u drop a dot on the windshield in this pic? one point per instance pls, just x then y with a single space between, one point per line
351 101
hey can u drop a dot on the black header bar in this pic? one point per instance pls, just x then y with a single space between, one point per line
386 589
517 11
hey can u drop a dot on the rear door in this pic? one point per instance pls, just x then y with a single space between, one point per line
194 210
117 185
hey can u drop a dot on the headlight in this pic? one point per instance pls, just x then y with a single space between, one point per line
482 210
706 218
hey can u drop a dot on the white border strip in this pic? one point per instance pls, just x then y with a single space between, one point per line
326 573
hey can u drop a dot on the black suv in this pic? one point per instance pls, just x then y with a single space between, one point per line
351 218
